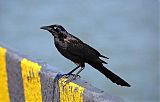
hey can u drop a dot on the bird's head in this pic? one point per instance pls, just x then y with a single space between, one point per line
56 30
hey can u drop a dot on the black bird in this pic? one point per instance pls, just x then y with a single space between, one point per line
80 53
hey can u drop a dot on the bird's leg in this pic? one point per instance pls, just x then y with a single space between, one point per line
70 73
73 70
75 76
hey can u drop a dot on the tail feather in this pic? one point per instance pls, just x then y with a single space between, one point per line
113 77
104 56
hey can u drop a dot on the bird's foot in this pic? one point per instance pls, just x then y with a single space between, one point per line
73 75
70 79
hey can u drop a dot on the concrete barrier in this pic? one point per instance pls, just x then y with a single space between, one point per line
23 79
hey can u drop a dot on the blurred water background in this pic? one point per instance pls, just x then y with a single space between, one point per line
124 30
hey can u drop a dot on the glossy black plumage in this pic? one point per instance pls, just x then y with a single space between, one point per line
80 53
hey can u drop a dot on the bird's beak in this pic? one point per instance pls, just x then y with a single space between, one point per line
46 28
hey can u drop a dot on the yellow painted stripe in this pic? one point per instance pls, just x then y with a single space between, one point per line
4 94
70 92
31 81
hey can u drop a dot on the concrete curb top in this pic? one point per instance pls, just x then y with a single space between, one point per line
24 79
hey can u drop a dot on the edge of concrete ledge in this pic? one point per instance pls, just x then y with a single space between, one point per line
51 89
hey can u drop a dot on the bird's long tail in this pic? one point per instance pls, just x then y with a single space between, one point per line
113 77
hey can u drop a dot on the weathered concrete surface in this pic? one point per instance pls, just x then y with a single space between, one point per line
24 77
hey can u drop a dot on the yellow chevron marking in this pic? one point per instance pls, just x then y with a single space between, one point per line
31 81
71 92
4 94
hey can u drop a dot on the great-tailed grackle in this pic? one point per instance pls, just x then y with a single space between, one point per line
80 53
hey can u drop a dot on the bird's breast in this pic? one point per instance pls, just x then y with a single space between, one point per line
60 43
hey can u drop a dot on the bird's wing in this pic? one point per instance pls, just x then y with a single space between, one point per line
82 50
87 46
96 51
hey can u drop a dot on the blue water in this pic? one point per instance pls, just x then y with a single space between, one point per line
124 30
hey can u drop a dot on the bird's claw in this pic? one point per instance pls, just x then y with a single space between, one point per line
70 79
73 75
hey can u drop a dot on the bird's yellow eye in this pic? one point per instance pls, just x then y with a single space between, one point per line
55 27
